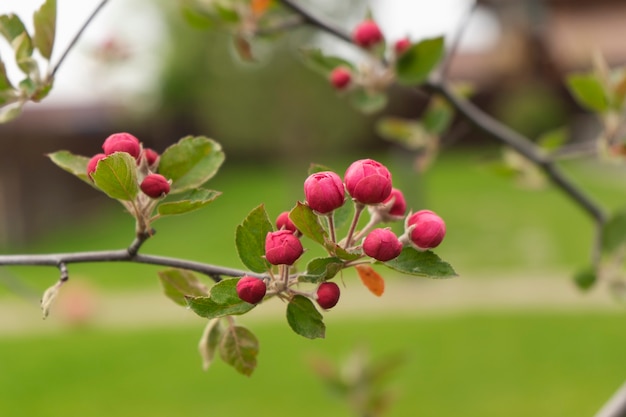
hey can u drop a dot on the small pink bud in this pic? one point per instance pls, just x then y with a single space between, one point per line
398 208
282 247
324 191
251 289
429 229
151 156
93 163
401 45
122 142
284 222
155 185
328 295
368 181
367 34
382 245
340 78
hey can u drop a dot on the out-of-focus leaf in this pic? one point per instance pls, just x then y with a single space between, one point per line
614 232
324 64
415 64
585 278
44 21
553 139
589 91
180 283
10 112
209 342
74 164
408 133
368 102
371 279
239 348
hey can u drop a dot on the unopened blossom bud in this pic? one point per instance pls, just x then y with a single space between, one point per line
367 34
284 222
122 142
340 78
382 245
428 229
93 163
397 203
328 295
368 181
401 45
282 247
251 289
155 185
151 156
324 191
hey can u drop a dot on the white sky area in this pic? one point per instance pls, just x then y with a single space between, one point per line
137 24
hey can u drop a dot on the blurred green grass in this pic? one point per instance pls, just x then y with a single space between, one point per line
514 364
493 225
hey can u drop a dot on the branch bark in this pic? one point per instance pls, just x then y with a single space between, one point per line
616 406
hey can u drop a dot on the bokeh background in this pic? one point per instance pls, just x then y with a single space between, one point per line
511 335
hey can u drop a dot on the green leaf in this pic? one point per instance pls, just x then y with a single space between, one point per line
424 264
368 102
225 292
408 133
304 319
250 239
588 90
190 162
614 232
180 283
415 64
343 215
239 348
116 176
315 168
74 164
13 29
209 342
438 116
196 18
341 253
324 64
553 139
585 278
307 223
44 21
206 307
5 83
195 200
321 269
9 113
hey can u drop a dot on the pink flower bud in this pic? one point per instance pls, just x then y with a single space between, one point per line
367 34
151 156
368 181
251 289
93 163
429 229
324 191
284 222
340 78
398 207
401 45
155 185
328 295
122 142
382 245
282 247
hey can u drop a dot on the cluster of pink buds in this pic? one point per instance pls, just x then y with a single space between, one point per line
153 185
366 183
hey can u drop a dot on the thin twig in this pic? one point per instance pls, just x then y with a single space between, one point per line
456 42
77 37
317 21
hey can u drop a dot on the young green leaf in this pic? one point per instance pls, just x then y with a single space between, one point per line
368 102
44 21
206 307
585 278
321 269
180 283
209 342
5 83
250 239
74 164
9 113
321 63
190 162
116 176
308 223
408 133
195 200
415 64
589 91
614 232
304 319
225 292
14 31
239 348
424 264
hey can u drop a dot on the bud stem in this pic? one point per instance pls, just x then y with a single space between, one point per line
358 209
331 226
374 220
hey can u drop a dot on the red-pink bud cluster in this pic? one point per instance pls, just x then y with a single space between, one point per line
251 289
368 181
427 229
155 185
367 34
282 247
122 142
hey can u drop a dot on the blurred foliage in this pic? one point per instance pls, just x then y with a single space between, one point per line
256 108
